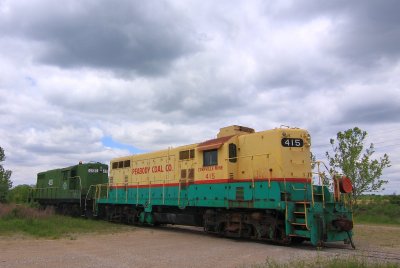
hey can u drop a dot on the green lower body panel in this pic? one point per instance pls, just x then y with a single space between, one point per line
224 195
308 213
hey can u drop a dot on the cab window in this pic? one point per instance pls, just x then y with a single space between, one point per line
232 153
210 158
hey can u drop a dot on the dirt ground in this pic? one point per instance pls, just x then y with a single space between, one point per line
174 246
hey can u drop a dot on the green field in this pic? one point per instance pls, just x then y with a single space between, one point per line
23 220
378 209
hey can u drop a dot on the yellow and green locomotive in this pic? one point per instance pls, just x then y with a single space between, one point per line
241 184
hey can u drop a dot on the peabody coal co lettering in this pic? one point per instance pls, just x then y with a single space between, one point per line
153 169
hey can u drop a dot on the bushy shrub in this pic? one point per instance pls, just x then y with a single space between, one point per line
11 211
394 199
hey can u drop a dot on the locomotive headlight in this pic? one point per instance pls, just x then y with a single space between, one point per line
284 134
307 139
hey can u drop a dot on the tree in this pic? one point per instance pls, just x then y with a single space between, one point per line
19 194
5 182
354 162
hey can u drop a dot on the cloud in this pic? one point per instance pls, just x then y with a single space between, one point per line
132 36
363 33
156 74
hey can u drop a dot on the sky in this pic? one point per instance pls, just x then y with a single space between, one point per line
92 80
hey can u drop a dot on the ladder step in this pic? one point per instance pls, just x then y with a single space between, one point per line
298 224
303 202
302 233
299 212
299 220
296 235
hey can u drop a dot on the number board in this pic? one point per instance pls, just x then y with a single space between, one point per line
291 142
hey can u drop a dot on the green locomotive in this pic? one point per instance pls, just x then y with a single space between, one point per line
68 189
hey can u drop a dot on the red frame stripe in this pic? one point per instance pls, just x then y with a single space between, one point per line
215 181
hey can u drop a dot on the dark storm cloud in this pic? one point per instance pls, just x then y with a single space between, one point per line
203 104
363 32
300 79
139 36
372 113
371 32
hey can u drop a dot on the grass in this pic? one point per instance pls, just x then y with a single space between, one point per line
20 219
378 210
378 214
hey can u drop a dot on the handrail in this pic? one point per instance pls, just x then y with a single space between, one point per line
108 191
252 172
322 184
57 188
286 202
312 193
41 188
87 194
335 184
321 178
96 198
137 193
149 191
97 192
298 189
126 192
80 190
253 155
305 216
337 187
163 191
179 193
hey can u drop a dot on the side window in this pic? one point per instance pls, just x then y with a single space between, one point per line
191 154
191 173
232 153
183 173
121 164
73 181
188 154
183 155
210 158
65 174
41 180
127 163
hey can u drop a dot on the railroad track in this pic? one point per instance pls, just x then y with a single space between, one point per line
368 253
